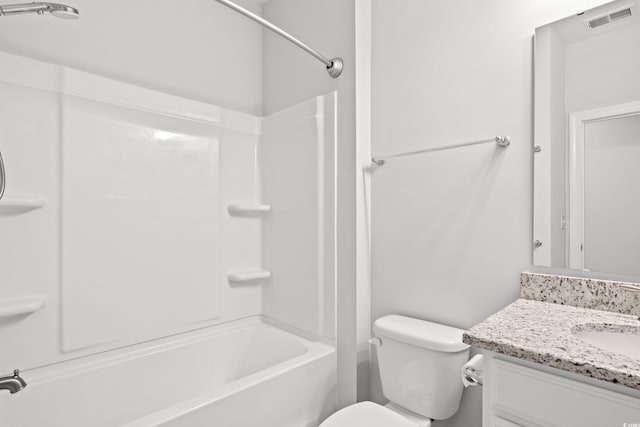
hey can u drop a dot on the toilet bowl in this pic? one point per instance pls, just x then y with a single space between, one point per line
370 414
367 414
419 364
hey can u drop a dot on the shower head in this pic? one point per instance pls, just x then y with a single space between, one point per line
57 10
63 11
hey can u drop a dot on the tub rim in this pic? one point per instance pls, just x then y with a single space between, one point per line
76 366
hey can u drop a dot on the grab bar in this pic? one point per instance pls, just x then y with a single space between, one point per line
2 177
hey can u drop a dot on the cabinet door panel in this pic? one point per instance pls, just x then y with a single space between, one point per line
550 400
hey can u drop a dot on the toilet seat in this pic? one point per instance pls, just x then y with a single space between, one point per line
367 414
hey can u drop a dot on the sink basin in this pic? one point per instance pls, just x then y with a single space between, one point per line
621 342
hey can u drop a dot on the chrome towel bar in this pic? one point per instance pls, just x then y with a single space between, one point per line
502 141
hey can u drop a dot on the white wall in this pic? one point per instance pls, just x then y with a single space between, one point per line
452 230
198 49
292 76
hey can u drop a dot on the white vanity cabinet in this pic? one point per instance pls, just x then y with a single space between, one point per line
523 394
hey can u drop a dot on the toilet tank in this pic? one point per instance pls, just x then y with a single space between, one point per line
420 365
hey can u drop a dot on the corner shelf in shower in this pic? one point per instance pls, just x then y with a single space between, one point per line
21 305
21 202
245 276
250 210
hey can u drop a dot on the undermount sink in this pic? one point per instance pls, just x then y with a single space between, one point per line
625 342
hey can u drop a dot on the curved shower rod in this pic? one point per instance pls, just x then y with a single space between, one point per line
334 65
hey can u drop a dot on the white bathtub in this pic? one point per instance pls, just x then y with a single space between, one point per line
243 374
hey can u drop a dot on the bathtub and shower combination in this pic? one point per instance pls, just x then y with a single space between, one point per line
204 369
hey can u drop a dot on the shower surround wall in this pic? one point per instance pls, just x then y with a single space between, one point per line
134 241
128 244
297 162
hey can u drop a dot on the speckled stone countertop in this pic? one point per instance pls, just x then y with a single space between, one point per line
541 332
605 295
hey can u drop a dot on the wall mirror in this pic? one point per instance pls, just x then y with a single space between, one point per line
587 141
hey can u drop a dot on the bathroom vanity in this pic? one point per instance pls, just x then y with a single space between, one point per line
554 364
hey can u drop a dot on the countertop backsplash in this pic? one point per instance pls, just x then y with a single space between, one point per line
595 294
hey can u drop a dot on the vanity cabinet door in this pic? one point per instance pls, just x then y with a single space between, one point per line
534 397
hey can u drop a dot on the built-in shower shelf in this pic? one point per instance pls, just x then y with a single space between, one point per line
21 202
245 276
237 209
22 305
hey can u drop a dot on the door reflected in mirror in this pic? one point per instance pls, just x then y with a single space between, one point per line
587 141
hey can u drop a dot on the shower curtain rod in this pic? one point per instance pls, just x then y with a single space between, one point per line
500 140
334 65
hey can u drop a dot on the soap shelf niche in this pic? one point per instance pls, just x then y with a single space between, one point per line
248 210
21 305
248 276
21 202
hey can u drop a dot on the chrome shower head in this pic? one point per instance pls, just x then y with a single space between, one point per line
57 10
63 11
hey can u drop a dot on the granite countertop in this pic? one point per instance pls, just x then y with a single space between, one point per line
541 332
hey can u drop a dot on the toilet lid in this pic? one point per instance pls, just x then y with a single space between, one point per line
367 414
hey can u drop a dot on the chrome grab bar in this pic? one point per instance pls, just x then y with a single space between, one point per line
2 177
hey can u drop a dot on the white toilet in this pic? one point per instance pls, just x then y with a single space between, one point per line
420 365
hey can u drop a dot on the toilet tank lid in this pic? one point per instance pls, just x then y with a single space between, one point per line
420 333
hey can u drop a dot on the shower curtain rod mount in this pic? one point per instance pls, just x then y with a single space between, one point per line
334 65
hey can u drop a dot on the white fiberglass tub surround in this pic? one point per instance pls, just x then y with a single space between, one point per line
124 329
245 373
